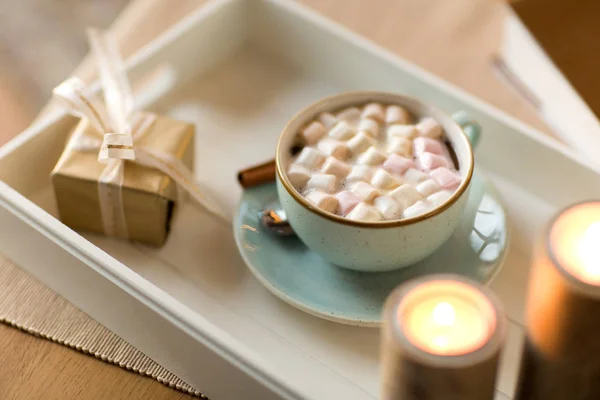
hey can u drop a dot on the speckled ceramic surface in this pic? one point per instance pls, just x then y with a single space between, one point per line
298 276
379 246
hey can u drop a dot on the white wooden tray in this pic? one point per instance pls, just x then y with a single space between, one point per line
240 69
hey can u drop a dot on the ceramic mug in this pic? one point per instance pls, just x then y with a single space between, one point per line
383 245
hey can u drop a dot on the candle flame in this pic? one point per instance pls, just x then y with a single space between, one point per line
589 250
444 314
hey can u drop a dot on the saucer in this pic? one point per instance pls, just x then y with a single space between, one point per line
300 277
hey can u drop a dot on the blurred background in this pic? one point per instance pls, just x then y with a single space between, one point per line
41 42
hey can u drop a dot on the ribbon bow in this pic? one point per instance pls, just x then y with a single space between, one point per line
121 127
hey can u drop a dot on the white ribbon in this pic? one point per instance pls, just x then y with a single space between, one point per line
121 128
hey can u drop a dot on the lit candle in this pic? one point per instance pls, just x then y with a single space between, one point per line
441 339
575 242
561 357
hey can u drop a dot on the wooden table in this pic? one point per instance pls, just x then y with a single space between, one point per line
454 39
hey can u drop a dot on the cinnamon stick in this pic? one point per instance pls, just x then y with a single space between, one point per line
257 175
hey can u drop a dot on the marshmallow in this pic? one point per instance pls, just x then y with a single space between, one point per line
440 197
431 161
322 200
388 207
313 132
327 119
430 127
369 126
364 212
298 175
427 145
400 146
324 182
373 162
360 143
383 180
310 158
405 131
406 195
333 147
445 178
396 114
349 114
366 192
374 111
333 166
418 208
427 188
397 164
360 173
372 156
347 201
414 176
342 131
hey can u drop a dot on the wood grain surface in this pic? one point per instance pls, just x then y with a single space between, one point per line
454 39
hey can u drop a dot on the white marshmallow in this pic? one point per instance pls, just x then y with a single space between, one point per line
388 207
311 158
414 176
372 156
440 197
398 164
384 180
327 119
427 188
334 148
349 114
401 146
406 195
429 127
313 132
342 131
298 175
324 182
369 126
431 161
360 143
333 166
374 111
366 192
396 115
418 208
322 200
360 173
424 144
364 212
346 201
445 178
405 131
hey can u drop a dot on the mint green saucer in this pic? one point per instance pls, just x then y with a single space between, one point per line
286 267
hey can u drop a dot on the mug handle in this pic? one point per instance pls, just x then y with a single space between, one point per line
471 128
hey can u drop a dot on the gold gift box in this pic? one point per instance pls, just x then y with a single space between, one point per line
148 195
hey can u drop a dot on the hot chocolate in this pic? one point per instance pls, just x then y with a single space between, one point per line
374 162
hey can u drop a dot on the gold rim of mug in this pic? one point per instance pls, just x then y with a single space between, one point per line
380 224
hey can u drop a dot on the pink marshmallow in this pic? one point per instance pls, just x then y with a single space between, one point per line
431 161
397 164
347 201
445 178
427 145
